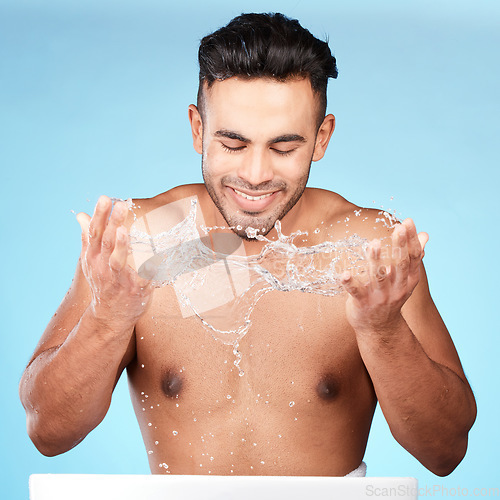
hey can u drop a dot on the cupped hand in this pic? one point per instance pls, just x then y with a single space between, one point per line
375 305
119 294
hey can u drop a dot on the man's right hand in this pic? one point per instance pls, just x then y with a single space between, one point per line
119 295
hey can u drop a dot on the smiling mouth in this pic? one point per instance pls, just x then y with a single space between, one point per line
252 198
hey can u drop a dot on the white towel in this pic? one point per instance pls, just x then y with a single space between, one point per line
359 472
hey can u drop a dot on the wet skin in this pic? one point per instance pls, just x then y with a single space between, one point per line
312 364
303 406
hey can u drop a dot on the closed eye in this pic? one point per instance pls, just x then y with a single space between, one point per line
284 153
231 150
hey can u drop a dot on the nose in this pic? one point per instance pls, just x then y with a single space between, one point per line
256 168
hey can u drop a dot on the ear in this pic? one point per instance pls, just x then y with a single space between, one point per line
325 131
196 127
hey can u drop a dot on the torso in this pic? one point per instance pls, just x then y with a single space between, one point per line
303 406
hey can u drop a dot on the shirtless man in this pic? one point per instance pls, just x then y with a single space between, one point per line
314 366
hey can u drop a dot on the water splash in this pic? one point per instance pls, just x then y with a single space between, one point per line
215 281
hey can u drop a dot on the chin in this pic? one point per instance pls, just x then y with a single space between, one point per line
240 227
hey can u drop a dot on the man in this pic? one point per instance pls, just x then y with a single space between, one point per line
314 365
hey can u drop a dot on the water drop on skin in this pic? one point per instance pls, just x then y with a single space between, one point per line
292 403
175 433
279 254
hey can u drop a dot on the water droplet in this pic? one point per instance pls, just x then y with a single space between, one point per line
175 433
305 273
292 403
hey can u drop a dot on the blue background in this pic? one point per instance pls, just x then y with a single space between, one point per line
93 100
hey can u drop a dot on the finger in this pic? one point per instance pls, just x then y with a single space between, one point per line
423 238
353 286
98 224
117 218
84 221
414 247
118 257
400 258
377 270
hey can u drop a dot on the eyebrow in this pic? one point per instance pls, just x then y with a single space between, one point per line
231 135
282 138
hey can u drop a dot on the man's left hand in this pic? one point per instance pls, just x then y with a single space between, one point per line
375 305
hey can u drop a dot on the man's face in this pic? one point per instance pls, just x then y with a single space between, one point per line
258 141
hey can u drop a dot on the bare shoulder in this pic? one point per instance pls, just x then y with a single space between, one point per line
172 204
345 218
142 206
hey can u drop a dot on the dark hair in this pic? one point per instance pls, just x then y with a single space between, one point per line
266 45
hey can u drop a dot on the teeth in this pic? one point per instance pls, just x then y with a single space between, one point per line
253 198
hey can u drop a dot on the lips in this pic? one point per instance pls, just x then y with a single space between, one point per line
252 202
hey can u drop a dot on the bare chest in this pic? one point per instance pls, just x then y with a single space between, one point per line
299 345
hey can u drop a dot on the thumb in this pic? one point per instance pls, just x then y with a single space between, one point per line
84 221
423 238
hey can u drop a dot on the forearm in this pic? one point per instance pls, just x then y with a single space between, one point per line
429 408
66 390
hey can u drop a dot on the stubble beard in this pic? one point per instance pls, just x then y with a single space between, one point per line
241 220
